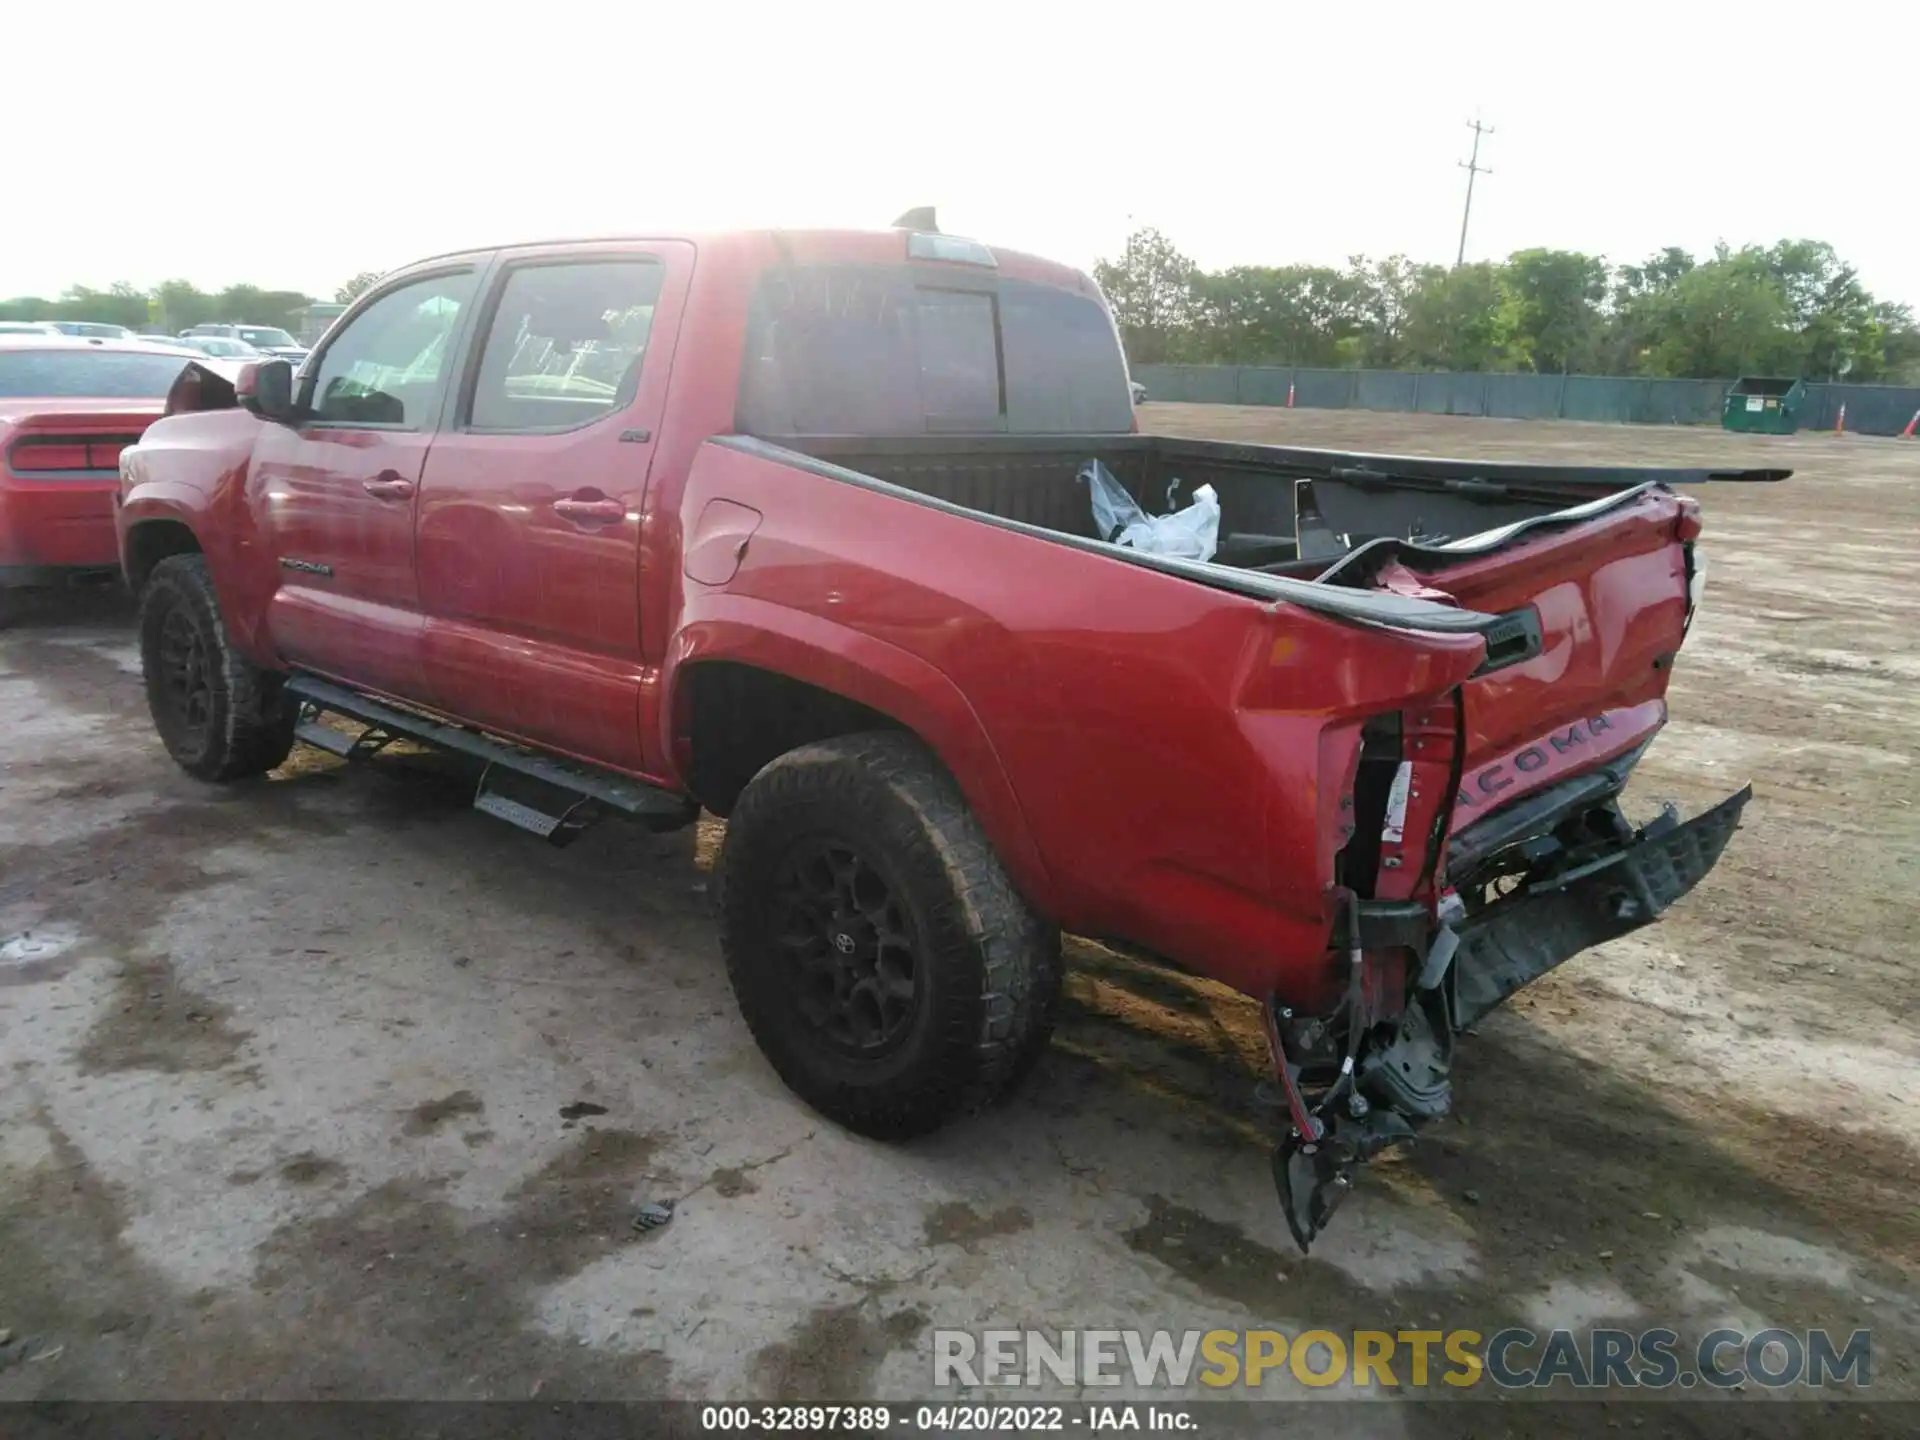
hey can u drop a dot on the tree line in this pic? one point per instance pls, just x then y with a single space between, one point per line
1793 308
177 305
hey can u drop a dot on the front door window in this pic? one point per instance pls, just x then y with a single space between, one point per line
385 368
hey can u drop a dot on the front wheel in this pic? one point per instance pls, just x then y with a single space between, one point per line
220 716
880 955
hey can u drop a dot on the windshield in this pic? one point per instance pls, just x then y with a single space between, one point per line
267 335
918 350
101 374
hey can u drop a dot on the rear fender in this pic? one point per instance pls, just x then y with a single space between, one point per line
883 678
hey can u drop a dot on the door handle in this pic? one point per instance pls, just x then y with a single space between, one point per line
388 485
579 511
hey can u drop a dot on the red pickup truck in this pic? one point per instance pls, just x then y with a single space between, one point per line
789 526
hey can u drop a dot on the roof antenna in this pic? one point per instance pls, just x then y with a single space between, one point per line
918 218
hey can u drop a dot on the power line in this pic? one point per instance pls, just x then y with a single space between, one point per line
1473 167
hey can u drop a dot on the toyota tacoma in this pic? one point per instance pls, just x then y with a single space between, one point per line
791 527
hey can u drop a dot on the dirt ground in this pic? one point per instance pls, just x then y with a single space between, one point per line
328 1086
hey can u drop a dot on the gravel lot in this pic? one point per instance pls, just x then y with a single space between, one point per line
328 1086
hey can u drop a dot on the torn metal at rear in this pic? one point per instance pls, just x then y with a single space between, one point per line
1566 901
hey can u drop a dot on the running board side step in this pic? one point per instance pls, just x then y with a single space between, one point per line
552 798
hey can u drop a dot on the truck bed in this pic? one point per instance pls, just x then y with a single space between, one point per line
1362 497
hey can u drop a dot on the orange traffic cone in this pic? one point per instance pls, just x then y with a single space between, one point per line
1907 434
1289 394
1840 425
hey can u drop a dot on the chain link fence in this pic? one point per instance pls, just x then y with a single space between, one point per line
1871 409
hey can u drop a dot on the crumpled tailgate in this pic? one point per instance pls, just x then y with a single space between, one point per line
1610 599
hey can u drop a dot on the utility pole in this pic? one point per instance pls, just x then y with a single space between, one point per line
1473 167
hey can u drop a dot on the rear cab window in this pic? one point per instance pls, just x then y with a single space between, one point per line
917 349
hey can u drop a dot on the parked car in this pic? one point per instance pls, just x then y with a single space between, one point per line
68 407
269 339
808 547
92 330
1139 392
222 346
26 327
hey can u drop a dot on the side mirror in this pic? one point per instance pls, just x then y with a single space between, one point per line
265 387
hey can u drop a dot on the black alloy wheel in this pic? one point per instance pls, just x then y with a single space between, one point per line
185 673
850 944
882 958
220 716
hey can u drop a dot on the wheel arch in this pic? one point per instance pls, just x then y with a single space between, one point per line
743 689
151 539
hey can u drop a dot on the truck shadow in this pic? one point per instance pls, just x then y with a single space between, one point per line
106 608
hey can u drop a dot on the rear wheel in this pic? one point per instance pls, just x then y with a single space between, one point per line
881 957
220 716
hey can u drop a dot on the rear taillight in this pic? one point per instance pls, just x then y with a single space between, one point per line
1688 526
66 454
47 455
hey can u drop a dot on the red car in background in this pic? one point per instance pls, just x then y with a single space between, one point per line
68 407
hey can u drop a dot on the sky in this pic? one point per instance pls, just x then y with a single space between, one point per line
292 146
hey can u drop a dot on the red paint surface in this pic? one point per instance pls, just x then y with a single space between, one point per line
1553 755
1611 596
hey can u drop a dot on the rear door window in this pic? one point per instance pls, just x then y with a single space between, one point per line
566 344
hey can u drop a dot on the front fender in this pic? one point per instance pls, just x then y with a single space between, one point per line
190 468
148 503
882 677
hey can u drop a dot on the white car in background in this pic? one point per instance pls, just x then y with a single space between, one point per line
221 347
92 330
267 339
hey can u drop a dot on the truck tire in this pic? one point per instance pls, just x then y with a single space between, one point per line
879 954
220 716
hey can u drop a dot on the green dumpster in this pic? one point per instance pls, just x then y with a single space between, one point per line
1764 405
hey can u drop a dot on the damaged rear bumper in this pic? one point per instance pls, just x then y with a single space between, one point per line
1505 946
1521 938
